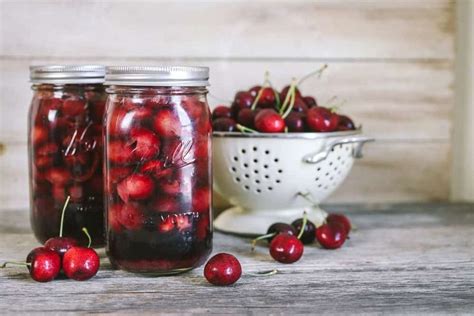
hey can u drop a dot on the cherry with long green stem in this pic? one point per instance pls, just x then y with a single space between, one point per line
43 264
306 228
81 263
61 244
272 231
266 91
245 129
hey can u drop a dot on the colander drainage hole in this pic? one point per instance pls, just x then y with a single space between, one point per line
246 175
317 178
276 160
246 165
270 188
236 159
256 171
277 181
319 169
255 160
267 152
257 181
280 171
320 185
255 149
330 163
267 176
246 187
237 179
265 166
234 169
258 191
243 151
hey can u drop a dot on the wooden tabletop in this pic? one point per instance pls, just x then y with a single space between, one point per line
401 259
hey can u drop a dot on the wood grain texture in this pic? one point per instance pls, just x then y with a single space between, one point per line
403 259
409 101
389 171
230 29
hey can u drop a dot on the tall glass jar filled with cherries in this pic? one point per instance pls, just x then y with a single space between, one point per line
66 151
157 170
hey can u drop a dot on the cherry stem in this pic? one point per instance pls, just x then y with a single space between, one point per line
257 98
16 263
305 220
292 103
254 242
245 129
288 96
61 225
318 72
305 196
88 236
263 273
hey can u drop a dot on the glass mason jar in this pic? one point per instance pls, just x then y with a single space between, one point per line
157 169
65 147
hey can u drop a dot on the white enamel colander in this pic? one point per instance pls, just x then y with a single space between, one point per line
265 175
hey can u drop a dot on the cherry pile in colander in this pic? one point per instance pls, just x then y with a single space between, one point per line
264 109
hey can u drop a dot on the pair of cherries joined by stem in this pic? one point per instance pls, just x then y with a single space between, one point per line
263 109
287 241
77 262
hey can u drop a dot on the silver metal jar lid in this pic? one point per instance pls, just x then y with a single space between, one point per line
67 74
165 76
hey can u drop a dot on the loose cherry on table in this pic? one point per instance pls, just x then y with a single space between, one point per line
331 236
273 230
81 263
222 269
306 229
43 264
61 244
334 219
286 248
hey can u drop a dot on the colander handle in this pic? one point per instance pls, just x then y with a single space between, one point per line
322 155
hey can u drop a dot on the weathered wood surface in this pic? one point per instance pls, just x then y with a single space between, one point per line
402 259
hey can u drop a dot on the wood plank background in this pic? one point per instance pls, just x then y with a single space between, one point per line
391 60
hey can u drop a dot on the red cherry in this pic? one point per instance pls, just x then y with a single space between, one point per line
47 105
118 152
158 101
308 233
321 119
274 230
166 123
184 222
242 100
330 236
113 217
156 169
58 175
167 224
221 111
285 91
254 90
45 264
299 105
166 204
295 122
144 144
73 107
246 117
224 124
76 192
135 187
345 123
222 269
39 135
60 244
131 217
81 263
169 185
47 149
339 219
286 248
267 98
201 200
118 173
310 101
269 121
97 111
58 192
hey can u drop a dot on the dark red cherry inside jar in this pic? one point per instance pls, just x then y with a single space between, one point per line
157 168
65 150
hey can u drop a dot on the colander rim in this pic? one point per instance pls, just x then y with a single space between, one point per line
287 135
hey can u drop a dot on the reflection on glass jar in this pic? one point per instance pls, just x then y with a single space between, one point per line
65 151
158 181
